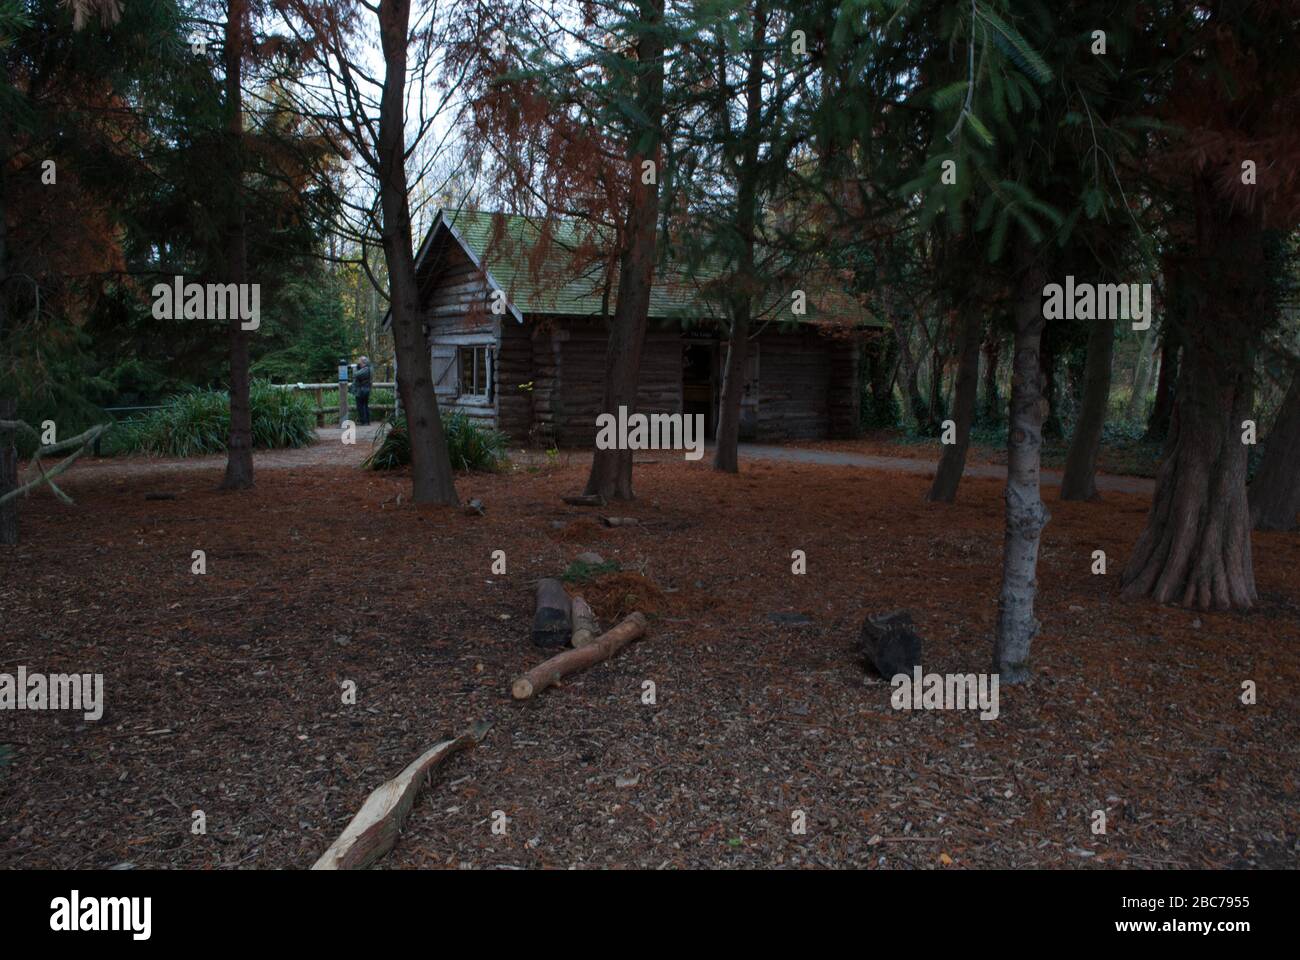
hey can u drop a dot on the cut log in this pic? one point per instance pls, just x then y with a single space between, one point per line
585 500
890 644
374 829
585 628
553 622
571 661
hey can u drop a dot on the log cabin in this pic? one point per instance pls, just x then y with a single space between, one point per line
516 312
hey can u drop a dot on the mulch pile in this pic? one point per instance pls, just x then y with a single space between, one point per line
224 692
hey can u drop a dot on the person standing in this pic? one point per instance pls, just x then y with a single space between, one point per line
361 384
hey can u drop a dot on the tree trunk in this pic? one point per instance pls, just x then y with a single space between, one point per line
1142 375
953 460
1051 425
1025 513
910 389
726 453
1195 549
935 400
1275 491
611 470
8 473
432 479
992 355
239 454
1163 407
1080 481
8 404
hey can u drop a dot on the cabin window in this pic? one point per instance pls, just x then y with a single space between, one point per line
476 372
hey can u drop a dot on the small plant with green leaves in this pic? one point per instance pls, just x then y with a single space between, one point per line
197 422
580 571
471 445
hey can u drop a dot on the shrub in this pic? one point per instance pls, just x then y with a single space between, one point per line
471 445
197 422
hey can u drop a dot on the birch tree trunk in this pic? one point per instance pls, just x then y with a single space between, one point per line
1080 480
952 462
1025 513
432 479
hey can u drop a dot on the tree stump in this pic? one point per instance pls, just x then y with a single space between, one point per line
890 644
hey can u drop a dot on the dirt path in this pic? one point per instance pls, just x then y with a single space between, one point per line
329 451
834 458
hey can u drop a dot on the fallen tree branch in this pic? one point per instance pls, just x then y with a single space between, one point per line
561 665
84 441
374 829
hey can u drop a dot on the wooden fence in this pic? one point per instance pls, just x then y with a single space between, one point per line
341 388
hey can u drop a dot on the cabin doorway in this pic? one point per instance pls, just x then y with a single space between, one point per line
700 382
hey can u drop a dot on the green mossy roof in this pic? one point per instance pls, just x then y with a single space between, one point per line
534 262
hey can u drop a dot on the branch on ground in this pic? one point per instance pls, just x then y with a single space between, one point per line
36 473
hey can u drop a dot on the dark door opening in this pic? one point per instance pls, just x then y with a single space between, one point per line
699 382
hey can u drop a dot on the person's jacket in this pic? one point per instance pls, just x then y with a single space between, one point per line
361 381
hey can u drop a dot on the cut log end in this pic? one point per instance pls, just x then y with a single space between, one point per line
585 628
522 688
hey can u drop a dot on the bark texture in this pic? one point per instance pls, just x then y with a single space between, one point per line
239 454
726 454
1142 375
1275 491
952 462
1080 480
1162 407
611 470
8 473
432 479
8 404
1195 549
993 411
1025 513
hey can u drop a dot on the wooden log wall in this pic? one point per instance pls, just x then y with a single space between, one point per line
792 386
845 388
514 372
577 391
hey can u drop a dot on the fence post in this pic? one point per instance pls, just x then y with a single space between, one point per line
343 390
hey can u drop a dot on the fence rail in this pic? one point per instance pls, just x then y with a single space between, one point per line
342 387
